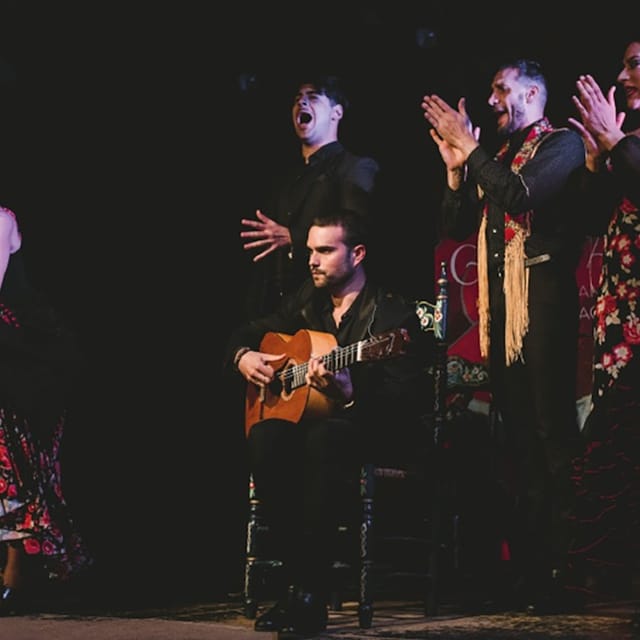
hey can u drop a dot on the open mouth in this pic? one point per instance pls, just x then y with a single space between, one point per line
304 118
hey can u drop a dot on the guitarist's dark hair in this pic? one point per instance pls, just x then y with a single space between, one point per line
355 225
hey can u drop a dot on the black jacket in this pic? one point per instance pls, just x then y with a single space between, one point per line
390 394
541 185
333 179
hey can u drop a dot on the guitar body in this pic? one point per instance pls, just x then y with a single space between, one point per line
279 400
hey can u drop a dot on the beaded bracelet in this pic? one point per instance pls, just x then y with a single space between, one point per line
239 353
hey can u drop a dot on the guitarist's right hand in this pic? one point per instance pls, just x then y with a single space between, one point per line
256 367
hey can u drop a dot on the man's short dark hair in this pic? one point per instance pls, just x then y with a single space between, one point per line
530 70
327 85
355 225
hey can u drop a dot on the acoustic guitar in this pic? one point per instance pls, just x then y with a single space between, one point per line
288 396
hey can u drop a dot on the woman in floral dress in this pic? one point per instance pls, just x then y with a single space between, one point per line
606 550
39 366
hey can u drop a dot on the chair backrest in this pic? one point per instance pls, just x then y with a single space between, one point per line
433 317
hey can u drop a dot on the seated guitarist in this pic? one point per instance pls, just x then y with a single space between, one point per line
370 406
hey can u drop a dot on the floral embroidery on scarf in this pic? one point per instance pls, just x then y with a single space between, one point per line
525 153
516 278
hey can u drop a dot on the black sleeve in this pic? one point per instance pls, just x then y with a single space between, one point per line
460 212
625 161
597 194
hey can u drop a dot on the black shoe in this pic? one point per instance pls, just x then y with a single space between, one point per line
309 614
553 597
278 618
12 602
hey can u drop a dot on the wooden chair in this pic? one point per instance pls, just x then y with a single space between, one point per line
420 544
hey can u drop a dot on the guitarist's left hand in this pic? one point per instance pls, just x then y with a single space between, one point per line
336 385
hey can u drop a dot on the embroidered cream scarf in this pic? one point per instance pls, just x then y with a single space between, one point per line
516 276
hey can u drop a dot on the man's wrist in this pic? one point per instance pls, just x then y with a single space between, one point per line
455 177
610 140
239 353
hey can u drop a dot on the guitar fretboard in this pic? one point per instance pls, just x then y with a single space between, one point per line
336 359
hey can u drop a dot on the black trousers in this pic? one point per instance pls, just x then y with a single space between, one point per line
536 401
305 476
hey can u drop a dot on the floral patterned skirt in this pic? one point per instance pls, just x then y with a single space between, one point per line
605 552
33 510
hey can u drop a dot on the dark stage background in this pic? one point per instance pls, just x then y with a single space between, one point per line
134 139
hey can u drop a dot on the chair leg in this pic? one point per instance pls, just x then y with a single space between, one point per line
431 601
250 601
439 465
365 606
335 601
253 524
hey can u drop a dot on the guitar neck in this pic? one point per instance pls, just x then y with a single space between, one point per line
280 399
342 357
338 358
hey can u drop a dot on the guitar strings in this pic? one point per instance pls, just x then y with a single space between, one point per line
336 357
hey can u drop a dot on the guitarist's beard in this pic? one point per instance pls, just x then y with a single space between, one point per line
320 279
333 283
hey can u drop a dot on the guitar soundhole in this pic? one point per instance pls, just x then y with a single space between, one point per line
276 385
286 382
